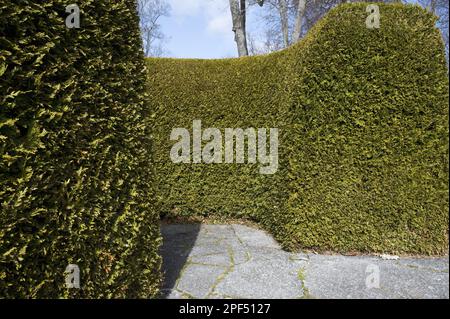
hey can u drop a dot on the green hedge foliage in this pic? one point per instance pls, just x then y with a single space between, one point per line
363 120
75 170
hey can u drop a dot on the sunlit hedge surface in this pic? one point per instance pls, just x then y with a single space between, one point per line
363 131
75 169
362 115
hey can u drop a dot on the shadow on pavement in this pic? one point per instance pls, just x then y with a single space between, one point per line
178 241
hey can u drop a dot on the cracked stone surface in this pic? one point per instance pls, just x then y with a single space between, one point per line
236 261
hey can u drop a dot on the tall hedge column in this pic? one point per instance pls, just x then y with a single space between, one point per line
76 170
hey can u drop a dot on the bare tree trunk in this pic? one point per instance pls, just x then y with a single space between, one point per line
282 7
148 43
150 11
433 6
238 14
299 21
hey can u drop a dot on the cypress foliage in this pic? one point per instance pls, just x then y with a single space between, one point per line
75 170
363 120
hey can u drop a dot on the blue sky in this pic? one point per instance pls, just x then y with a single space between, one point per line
199 29
202 29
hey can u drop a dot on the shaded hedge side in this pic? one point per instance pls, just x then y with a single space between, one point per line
75 170
222 94
363 126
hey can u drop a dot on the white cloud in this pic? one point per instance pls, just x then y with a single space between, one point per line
220 24
185 7
216 13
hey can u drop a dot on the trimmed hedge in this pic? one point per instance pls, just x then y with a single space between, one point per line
371 136
222 94
75 170
363 120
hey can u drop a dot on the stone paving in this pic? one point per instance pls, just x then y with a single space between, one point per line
237 261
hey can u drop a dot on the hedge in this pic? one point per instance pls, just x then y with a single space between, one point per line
75 172
363 121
